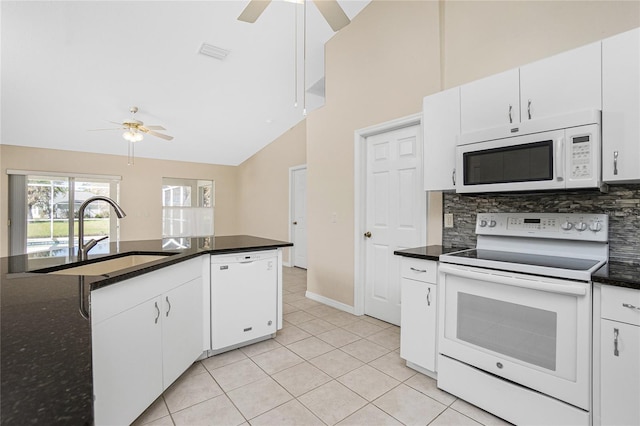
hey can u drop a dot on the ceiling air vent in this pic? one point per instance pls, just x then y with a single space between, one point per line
213 51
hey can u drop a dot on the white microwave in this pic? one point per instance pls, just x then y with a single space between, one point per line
562 152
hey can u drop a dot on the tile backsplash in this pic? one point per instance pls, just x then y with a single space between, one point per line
621 203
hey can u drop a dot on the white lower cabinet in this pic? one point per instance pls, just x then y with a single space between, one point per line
127 359
418 324
181 329
146 332
619 358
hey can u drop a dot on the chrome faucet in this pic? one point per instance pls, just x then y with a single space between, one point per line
83 249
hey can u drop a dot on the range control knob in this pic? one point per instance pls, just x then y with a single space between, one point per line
483 223
492 223
567 226
595 226
581 226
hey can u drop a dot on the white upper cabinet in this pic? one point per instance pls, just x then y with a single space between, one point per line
490 102
567 82
621 107
441 127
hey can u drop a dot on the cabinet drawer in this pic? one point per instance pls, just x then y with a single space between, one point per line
621 304
419 270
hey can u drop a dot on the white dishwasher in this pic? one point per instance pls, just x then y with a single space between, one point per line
244 298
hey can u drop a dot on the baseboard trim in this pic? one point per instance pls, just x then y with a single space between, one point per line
330 302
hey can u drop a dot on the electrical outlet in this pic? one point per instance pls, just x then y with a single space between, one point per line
334 217
448 220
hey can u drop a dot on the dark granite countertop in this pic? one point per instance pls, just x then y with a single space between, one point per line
427 252
619 273
45 344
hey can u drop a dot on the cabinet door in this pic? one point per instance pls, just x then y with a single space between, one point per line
621 107
490 102
441 128
182 324
127 361
619 374
567 82
418 323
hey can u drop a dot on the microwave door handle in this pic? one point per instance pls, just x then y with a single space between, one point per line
560 160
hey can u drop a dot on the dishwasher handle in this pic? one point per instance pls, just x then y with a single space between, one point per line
534 284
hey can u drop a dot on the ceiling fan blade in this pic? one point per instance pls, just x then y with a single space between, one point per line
97 130
333 13
253 10
155 127
159 135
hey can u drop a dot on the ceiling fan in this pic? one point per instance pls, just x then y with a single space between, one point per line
134 131
330 9
134 128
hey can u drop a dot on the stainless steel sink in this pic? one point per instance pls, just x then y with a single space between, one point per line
109 266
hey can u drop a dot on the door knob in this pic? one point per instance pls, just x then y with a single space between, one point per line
295 223
367 234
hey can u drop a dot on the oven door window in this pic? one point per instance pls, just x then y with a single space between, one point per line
518 163
518 331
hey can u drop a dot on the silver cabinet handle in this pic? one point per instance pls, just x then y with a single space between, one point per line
429 296
615 162
417 270
453 177
168 303
529 109
510 118
158 311
630 306
615 342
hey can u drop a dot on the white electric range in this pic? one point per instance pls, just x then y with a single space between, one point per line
515 316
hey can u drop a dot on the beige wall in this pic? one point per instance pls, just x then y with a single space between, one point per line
378 68
263 186
390 57
140 188
485 37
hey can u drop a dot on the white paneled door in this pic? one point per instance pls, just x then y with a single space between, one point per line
299 215
395 215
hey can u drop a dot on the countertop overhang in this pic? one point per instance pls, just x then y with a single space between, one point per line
174 250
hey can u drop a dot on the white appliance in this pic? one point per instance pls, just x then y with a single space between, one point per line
561 152
515 316
244 298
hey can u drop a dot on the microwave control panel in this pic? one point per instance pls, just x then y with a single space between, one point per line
581 153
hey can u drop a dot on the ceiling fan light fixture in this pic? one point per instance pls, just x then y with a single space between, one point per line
132 136
214 51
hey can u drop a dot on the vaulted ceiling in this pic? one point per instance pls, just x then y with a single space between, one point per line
68 67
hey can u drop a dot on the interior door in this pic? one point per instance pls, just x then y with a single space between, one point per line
299 215
395 215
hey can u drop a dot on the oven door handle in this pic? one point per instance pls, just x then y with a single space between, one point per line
561 288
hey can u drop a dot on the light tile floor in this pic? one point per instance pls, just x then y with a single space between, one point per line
324 367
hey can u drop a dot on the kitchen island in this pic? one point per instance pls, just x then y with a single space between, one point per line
45 342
